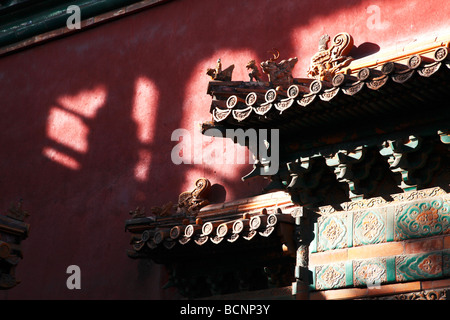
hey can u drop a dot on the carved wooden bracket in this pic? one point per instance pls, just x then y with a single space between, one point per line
307 179
411 158
356 168
360 169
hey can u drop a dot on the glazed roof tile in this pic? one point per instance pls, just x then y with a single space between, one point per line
396 83
246 218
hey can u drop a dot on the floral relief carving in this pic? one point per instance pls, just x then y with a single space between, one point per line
416 267
422 219
332 232
369 272
424 295
369 228
430 266
421 295
330 276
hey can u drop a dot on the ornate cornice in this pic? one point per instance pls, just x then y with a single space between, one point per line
252 242
334 89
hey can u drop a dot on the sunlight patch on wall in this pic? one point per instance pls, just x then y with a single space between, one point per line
142 166
61 158
86 103
67 129
145 105
66 126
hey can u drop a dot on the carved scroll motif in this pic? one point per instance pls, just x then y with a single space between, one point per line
190 202
328 61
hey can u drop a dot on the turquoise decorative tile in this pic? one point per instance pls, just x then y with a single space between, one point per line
313 244
422 219
369 227
390 269
350 230
330 276
349 273
390 217
369 272
332 232
417 267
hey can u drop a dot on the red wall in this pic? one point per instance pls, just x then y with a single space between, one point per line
87 121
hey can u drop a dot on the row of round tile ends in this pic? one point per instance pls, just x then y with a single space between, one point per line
326 90
216 231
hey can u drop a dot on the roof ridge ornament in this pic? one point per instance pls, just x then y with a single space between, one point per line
218 74
17 212
189 203
327 62
323 42
279 73
254 73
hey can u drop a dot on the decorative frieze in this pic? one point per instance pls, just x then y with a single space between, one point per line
414 223
369 272
417 267
422 219
330 276
332 232
369 227
412 216
381 270
438 294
